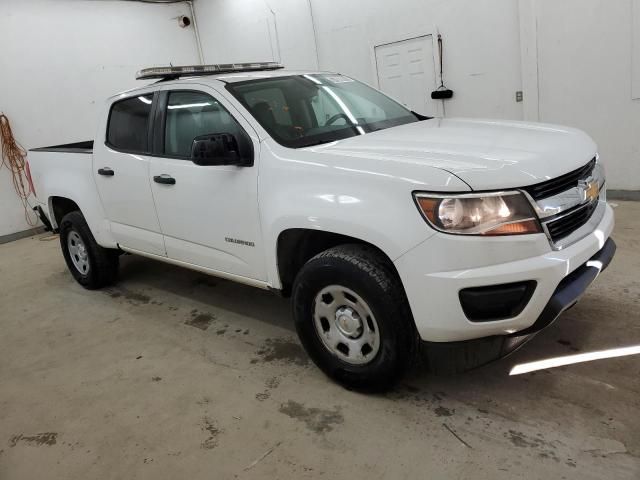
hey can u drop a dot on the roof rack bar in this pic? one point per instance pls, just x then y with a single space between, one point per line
197 70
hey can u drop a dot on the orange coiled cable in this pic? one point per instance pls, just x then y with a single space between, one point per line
14 158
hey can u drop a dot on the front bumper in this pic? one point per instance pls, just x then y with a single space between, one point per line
457 357
435 272
572 287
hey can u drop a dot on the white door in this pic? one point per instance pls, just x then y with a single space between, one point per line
208 214
406 72
121 170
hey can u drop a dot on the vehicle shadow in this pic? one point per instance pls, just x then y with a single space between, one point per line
566 336
182 287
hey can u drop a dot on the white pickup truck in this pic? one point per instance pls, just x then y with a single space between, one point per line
393 233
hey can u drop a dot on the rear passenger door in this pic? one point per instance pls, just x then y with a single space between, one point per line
121 171
208 214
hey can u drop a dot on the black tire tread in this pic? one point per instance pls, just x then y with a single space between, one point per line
377 266
104 261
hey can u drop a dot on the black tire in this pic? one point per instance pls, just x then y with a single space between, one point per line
102 262
369 274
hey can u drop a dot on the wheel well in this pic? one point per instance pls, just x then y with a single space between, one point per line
61 206
297 246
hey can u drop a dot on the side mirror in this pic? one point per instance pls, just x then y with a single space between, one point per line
222 149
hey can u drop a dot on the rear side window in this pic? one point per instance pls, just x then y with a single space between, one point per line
129 124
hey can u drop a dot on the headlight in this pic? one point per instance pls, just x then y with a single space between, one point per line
504 213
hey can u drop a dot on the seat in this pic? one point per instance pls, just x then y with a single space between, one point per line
264 114
183 128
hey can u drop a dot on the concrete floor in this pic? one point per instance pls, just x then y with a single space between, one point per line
172 374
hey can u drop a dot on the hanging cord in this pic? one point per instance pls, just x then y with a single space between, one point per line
440 54
442 92
14 158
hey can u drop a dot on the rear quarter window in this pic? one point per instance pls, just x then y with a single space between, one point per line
129 124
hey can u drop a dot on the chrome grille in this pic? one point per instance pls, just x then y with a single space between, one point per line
568 206
570 222
558 185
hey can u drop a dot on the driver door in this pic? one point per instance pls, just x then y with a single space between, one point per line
208 214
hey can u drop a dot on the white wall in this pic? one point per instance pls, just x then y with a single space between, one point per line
585 78
61 58
482 51
257 30
481 41
635 49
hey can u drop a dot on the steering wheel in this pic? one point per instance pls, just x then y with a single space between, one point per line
338 116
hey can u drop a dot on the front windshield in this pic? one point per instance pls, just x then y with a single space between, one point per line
304 110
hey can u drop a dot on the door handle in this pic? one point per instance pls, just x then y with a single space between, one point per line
106 172
164 179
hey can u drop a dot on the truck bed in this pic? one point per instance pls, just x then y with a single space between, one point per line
78 147
63 171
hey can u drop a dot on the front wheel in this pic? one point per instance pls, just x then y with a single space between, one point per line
90 264
353 318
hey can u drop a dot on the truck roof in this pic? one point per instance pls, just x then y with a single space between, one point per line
242 76
225 78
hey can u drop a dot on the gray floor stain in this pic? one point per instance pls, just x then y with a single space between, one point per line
262 396
134 298
282 350
546 449
211 428
272 382
418 397
443 412
568 344
39 439
317 420
200 320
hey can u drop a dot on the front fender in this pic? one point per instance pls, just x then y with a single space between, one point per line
301 189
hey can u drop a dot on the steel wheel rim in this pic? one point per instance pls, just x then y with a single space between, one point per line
78 252
345 325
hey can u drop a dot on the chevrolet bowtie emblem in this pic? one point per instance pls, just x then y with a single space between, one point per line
591 190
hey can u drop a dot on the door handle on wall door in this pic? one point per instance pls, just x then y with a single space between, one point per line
106 172
164 179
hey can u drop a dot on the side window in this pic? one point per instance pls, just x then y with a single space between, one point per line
191 114
129 124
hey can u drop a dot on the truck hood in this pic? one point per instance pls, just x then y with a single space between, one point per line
486 154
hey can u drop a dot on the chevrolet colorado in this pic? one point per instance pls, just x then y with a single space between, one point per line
394 233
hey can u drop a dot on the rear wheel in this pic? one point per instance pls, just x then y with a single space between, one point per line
353 318
90 264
